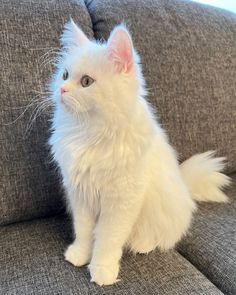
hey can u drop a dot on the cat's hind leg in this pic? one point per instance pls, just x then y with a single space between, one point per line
164 218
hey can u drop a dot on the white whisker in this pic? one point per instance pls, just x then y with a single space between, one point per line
45 104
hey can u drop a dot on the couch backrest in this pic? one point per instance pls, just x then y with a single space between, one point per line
189 61
188 52
28 181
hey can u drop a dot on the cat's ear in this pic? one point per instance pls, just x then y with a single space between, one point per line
120 49
73 36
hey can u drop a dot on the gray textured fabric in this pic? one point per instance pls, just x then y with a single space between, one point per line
28 29
31 262
211 244
189 60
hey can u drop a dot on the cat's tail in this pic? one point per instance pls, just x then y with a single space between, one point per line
202 174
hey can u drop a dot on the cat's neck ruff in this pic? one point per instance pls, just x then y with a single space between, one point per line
107 123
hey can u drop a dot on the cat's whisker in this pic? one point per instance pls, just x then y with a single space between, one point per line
32 102
38 93
40 108
46 62
42 92
42 102
48 53
49 57
50 61
42 48
38 104
76 106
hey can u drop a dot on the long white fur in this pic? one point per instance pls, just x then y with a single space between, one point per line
202 175
124 186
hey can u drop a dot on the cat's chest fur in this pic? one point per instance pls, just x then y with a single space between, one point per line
90 157
77 156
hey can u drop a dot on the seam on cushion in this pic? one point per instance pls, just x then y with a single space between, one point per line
59 214
94 24
200 266
202 271
203 274
87 4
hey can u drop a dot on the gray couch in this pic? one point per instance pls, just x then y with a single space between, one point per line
188 52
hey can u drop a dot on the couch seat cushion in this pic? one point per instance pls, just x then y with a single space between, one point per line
32 262
211 243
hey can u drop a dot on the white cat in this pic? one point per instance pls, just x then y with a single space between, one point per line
124 186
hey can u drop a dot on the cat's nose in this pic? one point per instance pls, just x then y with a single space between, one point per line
63 90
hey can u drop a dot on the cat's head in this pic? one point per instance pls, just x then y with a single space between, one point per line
93 77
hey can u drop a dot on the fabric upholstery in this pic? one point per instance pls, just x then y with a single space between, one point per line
31 260
211 243
28 30
189 61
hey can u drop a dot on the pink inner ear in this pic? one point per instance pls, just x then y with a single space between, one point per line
120 50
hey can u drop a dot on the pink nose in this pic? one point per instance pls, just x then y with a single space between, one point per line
63 90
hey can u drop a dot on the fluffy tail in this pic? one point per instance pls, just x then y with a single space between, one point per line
202 174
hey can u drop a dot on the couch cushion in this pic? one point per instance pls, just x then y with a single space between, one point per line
31 262
189 61
28 29
211 243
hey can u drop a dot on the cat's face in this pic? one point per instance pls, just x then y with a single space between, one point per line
96 78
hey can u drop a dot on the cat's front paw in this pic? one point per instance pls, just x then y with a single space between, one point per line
104 274
76 255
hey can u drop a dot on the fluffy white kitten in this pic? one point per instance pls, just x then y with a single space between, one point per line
123 182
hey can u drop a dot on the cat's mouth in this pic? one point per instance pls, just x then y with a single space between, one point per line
62 100
64 103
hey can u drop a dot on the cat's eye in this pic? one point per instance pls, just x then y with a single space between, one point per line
65 75
86 81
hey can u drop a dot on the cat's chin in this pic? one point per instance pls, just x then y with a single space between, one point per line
78 114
